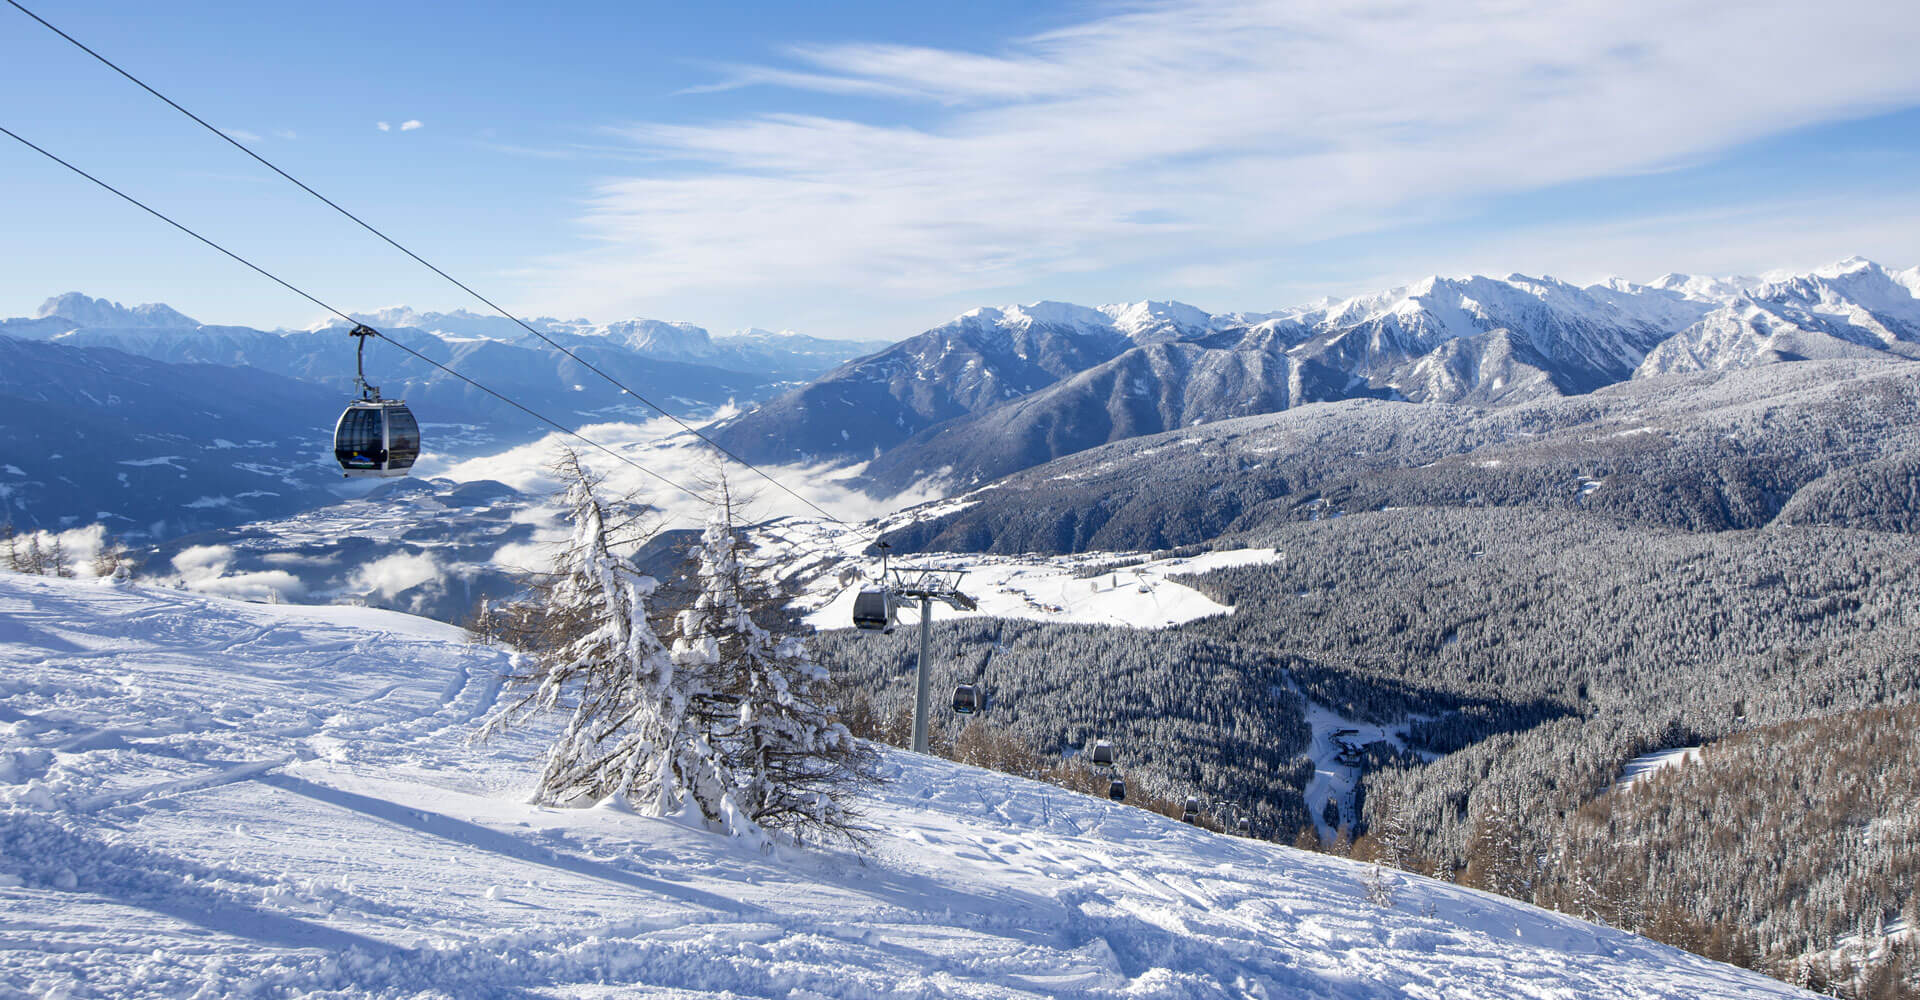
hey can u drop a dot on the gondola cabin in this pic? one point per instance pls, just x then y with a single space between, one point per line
1117 790
968 699
376 437
1191 814
873 610
1102 753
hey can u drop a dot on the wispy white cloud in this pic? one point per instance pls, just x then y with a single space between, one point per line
245 135
1181 130
203 568
395 573
536 152
383 126
741 77
410 124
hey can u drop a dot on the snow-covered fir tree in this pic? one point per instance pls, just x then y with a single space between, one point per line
630 731
719 722
793 766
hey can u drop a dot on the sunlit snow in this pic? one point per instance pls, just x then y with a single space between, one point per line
206 798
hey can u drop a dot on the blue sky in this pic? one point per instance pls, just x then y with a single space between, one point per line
872 169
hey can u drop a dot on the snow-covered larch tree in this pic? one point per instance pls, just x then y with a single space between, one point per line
792 766
593 655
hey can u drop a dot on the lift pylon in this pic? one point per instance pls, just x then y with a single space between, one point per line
927 586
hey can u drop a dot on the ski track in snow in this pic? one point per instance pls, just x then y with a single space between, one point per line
206 798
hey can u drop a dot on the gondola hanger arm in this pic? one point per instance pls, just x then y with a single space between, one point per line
361 332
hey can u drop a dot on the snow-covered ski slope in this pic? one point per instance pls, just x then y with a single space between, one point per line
207 798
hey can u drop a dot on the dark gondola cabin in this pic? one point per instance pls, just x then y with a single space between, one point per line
967 699
1102 753
1117 790
376 437
872 611
1192 813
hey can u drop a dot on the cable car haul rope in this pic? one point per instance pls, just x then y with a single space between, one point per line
423 261
390 241
270 276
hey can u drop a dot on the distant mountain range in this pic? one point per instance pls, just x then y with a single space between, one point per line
147 420
999 390
993 392
782 356
677 366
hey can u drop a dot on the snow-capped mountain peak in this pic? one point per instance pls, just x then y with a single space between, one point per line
1064 314
88 311
1846 265
652 336
1154 322
1854 290
1850 308
1697 286
460 324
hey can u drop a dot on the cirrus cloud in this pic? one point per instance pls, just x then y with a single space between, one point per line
1180 131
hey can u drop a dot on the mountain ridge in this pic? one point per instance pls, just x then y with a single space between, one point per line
86 311
1828 442
988 392
785 355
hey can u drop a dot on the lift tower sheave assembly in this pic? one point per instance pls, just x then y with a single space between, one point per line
928 586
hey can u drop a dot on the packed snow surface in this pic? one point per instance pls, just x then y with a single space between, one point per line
1647 765
200 797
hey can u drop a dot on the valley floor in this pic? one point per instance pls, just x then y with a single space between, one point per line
206 798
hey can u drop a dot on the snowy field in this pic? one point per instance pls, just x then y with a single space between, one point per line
828 571
1057 589
1647 765
1335 775
203 798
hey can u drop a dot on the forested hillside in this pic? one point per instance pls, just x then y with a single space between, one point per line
1187 713
1532 653
1774 844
